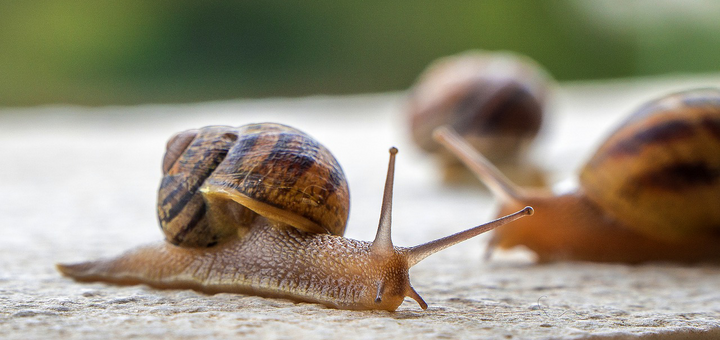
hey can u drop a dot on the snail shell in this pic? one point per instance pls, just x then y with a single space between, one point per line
664 158
217 178
494 100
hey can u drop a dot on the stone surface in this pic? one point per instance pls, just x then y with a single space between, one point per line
79 183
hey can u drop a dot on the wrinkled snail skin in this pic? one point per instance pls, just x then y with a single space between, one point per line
495 100
271 261
649 193
260 249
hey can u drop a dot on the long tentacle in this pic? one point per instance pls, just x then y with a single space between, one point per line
418 253
501 186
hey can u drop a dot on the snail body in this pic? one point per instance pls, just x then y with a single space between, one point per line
495 100
270 260
649 193
261 210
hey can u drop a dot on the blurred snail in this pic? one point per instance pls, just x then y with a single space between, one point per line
651 192
260 209
495 100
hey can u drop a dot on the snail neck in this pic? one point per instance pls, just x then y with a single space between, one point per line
336 271
547 226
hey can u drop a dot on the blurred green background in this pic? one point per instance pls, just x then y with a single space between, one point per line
124 52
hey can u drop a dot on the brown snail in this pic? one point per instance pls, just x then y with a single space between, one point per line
260 209
495 100
651 192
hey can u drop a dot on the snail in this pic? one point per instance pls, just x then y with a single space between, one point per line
261 210
495 100
651 192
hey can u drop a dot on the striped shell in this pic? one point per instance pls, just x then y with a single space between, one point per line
660 171
495 100
218 177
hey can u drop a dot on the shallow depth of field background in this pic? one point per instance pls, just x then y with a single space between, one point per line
129 52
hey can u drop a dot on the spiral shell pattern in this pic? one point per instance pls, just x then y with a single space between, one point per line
225 175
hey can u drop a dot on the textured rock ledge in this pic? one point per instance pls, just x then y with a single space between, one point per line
79 183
